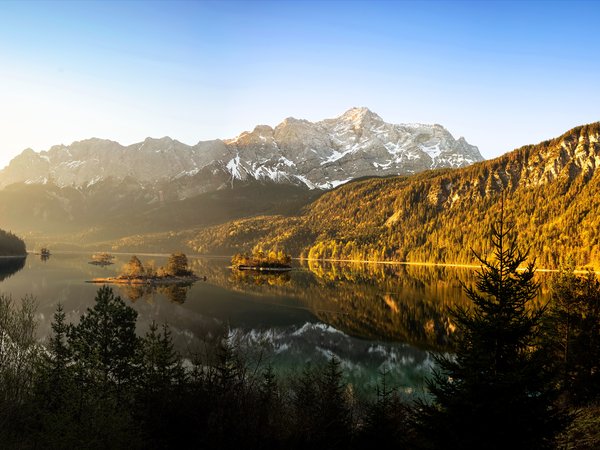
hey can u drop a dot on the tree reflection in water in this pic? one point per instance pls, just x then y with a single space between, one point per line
176 293
10 266
391 302
260 278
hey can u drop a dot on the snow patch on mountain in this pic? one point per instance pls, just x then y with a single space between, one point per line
234 167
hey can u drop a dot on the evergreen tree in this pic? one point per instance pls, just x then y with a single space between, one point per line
105 350
334 414
161 364
271 415
323 415
228 423
57 373
385 421
161 388
54 401
105 344
494 392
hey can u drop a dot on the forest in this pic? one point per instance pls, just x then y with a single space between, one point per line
11 245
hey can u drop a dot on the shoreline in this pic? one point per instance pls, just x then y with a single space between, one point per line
359 261
261 269
433 264
145 281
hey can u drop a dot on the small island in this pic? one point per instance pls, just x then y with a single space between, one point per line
134 272
102 259
271 261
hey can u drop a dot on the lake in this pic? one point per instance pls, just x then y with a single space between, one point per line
370 316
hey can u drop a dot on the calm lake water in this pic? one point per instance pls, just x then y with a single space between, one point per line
371 317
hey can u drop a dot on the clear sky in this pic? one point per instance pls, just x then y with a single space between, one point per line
501 74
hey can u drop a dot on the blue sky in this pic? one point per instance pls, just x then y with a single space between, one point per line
501 74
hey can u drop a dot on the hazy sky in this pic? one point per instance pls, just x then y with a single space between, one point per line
502 74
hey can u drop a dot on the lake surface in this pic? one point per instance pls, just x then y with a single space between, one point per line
370 316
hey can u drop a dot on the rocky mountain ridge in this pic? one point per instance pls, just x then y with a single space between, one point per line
321 155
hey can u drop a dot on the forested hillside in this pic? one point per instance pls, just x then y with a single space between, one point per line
551 191
11 245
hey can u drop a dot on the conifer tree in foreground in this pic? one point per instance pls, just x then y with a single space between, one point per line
495 392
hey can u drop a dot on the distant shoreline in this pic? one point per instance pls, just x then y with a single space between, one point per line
362 261
146 281
13 256
432 264
262 268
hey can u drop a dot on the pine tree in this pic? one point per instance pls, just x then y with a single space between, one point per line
105 344
385 422
161 387
106 368
334 413
305 408
270 429
494 392
57 372
55 387
322 413
161 364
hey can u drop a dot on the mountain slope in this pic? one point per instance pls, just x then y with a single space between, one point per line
324 154
111 209
552 193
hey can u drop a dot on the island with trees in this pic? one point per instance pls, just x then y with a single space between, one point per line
135 272
102 259
264 261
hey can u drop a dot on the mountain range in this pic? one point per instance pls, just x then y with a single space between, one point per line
320 155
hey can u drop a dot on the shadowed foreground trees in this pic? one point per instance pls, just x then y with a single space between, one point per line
574 328
574 343
496 390
98 385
